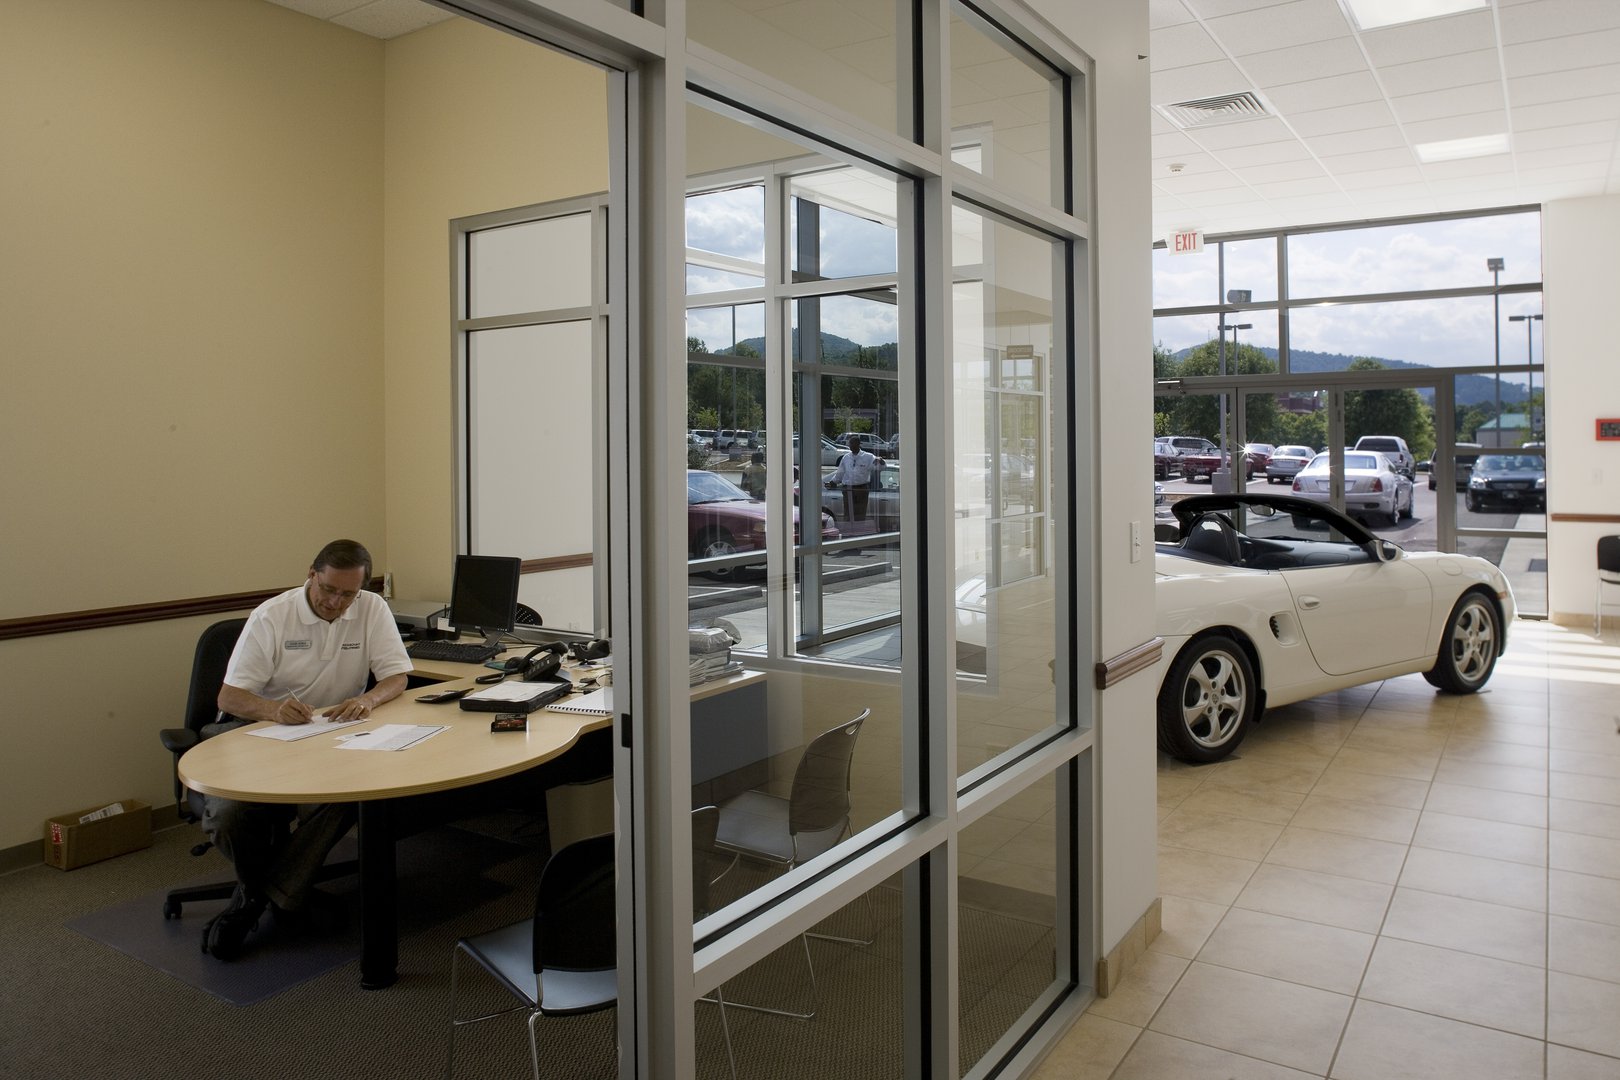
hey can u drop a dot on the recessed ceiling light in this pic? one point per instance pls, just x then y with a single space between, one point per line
1453 149
1371 14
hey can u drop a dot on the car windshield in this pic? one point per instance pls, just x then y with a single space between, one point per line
708 487
1507 462
1294 451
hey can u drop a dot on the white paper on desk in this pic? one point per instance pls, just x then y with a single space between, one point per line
597 703
389 737
294 732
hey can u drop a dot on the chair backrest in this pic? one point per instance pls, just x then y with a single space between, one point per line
1209 535
208 665
820 796
526 616
575 919
705 827
1608 554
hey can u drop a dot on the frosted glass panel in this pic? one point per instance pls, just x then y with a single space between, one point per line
535 266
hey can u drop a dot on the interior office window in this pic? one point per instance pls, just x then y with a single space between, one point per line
725 239
841 53
1014 99
1002 387
528 372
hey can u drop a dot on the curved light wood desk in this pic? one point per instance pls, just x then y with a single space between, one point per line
237 765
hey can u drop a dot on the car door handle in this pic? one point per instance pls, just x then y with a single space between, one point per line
1310 603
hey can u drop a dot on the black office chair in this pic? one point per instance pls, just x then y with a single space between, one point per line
1608 573
527 616
563 960
203 719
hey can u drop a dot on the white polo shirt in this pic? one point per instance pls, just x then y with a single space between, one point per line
286 648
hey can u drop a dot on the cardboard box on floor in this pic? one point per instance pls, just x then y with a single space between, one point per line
71 843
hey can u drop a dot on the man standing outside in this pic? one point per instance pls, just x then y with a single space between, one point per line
304 652
854 474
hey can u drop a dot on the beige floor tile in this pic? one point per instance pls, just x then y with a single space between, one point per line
1239 771
1161 1057
1461 986
1582 1013
1259 804
1592 819
1385 1043
1589 949
1415 718
1490 729
1585 763
1336 853
1582 896
1489 752
1352 785
1288 752
1475 802
1324 898
1476 878
1407 764
1598 789
1218 834
1392 823
1186 925
1495 777
1092 1047
1473 836
1175 790
1237 1011
1370 735
1325 957
1473 926
1596 715
1600 738
1199 875
1142 990
1564 1063
1582 854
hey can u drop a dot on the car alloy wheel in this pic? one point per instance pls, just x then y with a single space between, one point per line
717 543
1207 701
1469 648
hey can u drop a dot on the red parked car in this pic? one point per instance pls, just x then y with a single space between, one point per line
722 519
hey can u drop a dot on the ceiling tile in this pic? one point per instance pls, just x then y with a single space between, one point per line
1597 131
1460 69
1368 114
1215 9
1561 54
1190 164
1380 178
1181 46
1318 60
1299 22
1220 197
1491 165
1269 153
391 18
1589 170
1354 142
1558 18
1247 133
1369 160
1431 38
1163 13
1283 189
1258 173
1191 183
1564 155
1442 103
1324 93
1457 127
1173 143
1198 81
1561 85
1559 113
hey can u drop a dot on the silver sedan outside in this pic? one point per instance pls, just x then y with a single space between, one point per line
1286 461
1372 486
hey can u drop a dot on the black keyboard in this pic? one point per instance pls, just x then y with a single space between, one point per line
459 652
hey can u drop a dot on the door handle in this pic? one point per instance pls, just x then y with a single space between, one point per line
1310 603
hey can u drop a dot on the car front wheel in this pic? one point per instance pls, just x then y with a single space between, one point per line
715 544
1207 702
1468 651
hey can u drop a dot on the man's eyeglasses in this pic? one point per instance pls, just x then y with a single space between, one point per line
336 594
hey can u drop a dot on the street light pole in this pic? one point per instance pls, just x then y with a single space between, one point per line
1496 266
1529 359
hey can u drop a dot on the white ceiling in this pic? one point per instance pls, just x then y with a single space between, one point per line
1347 106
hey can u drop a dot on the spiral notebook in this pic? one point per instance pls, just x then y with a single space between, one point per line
595 703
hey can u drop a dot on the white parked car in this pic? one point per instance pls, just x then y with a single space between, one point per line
1269 599
1372 485
1286 461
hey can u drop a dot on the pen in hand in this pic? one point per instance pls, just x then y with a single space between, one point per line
301 712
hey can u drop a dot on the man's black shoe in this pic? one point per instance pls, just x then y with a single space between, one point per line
226 932
320 913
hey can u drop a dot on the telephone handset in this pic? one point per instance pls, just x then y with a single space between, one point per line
539 664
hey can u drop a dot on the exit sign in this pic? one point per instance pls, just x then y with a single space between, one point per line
1187 242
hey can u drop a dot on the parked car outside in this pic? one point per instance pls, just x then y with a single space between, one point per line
1461 464
1267 600
1195 466
1189 444
830 451
1508 482
1259 455
882 503
721 519
703 436
1372 485
1165 460
1286 461
1394 447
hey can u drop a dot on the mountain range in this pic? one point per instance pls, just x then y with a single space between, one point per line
1471 389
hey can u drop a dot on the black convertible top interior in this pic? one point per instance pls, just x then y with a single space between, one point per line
1212 538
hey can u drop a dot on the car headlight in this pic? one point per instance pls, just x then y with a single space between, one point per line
1476 481
1541 483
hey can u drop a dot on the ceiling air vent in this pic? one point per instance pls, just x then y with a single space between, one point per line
1226 109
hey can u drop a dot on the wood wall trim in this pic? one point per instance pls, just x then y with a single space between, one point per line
1128 663
67 622
1586 519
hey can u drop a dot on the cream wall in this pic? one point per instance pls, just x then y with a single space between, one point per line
193 352
1583 476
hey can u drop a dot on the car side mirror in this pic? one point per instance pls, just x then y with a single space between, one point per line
1385 550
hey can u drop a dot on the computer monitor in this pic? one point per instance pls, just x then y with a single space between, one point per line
484 595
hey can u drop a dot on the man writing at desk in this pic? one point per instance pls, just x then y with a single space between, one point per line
304 652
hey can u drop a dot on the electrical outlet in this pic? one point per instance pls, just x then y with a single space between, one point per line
1136 541
388 585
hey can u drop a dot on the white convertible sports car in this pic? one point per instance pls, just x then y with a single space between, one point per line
1269 599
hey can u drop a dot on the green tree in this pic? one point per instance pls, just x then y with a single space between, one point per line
1199 414
1396 411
